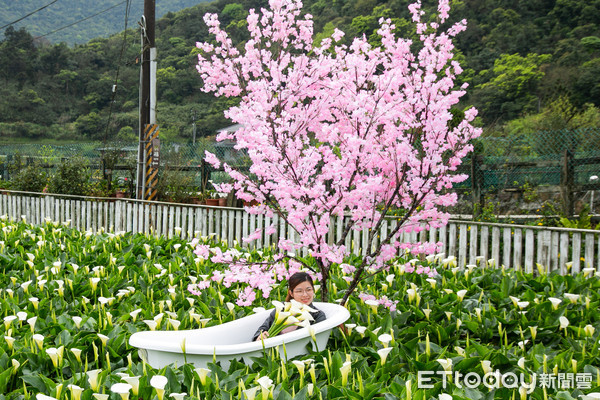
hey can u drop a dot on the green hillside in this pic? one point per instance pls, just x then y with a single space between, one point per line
531 65
98 18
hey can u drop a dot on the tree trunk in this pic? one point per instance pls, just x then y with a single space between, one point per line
324 278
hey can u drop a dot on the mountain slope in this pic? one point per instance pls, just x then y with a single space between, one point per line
104 17
537 59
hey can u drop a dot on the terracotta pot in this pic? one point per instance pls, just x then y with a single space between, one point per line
212 202
196 200
223 201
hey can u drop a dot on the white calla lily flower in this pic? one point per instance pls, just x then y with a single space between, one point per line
555 302
385 339
446 363
383 353
121 389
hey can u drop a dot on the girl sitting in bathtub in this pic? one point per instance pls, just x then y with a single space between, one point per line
302 290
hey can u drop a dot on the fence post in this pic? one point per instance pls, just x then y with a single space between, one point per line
476 183
205 171
4 169
567 178
6 173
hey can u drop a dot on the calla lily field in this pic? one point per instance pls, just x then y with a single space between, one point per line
424 328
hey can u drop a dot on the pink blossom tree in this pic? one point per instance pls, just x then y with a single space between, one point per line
338 130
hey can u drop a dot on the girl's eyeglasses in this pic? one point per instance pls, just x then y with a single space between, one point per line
301 292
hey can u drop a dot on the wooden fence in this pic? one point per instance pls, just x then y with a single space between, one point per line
514 246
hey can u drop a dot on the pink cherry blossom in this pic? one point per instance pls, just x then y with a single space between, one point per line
197 288
339 130
383 300
347 268
202 250
212 159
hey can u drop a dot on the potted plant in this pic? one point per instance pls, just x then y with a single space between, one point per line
250 203
211 198
217 198
121 185
197 197
100 188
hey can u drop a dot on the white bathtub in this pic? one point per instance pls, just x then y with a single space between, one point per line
232 340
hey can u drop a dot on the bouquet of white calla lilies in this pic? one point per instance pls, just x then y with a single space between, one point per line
304 323
288 314
296 305
281 316
306 316
278 305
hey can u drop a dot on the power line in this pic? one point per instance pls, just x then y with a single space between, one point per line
81 20
14 45
116 81
30 14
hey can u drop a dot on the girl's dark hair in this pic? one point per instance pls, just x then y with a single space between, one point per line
295 280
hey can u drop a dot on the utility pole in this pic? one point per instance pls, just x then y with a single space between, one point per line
147 97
